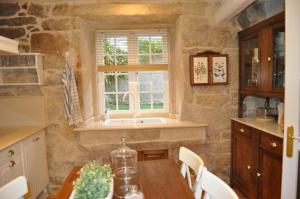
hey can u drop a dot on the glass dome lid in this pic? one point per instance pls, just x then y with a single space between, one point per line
123 151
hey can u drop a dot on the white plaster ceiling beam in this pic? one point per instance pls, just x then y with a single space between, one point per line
230 8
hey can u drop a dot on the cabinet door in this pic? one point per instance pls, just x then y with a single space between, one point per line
270 168
242 161
278 61
249 62
35 163
11 170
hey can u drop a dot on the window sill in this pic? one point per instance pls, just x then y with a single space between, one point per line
171 123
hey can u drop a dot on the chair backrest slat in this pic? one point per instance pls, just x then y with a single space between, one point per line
15 189
192 160
214 187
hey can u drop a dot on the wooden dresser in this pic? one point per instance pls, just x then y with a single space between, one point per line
256 162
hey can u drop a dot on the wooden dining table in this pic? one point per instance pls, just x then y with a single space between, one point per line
158 179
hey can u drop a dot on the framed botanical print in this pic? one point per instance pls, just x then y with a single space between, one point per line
219 69
199 70
208 68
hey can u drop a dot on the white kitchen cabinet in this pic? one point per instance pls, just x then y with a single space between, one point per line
28 158
11 170
35 163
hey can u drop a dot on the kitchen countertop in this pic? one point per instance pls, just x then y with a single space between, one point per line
171 123
270 127
10 135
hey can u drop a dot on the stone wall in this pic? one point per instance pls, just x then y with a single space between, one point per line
214 105
37 30
54 28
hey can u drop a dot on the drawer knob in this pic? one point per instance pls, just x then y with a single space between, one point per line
258 174
248 167
242 130
11 153
11 163
35 139
269 59
273 144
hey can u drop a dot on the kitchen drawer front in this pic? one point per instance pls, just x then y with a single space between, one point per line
37 137
241 129
10 153
271 143
153 155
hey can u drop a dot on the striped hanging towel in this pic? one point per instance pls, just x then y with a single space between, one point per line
71 99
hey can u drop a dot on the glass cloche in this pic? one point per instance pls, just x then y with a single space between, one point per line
124 165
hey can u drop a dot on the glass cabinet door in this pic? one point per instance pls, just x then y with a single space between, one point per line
249 63
278 58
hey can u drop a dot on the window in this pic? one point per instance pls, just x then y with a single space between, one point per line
133 71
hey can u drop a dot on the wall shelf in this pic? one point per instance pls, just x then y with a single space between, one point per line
21 70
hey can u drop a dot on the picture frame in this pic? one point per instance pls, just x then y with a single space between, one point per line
209 68
219 69
199 70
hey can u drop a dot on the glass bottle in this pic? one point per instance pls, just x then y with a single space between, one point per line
124 166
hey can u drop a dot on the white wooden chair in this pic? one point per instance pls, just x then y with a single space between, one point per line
212 187
191 160
16 189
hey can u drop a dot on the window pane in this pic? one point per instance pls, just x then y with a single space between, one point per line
121 45
144 59
109 60
158 101
156 59
156 44
145 101
145 81
109 46
151 81
110 102
158 81
144 43
123 82
122 60
110 83
123 102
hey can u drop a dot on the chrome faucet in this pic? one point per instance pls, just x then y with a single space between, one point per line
133 100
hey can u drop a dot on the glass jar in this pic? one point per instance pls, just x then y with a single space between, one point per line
134 193
124 165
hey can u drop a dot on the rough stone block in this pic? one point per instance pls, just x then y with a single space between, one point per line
9 9
212 100
12 32
18 21
36 10
48 43
60 24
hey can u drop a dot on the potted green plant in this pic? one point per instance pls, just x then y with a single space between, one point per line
95 182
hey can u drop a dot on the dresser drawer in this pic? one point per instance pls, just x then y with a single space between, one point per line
271 143
241 129
10 153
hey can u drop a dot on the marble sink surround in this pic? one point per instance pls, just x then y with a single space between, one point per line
100 139
270 127
169 123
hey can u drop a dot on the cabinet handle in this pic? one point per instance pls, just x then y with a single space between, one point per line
242 130
11 153
269 59
258 174
248 167
35 139
11 163
273 144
